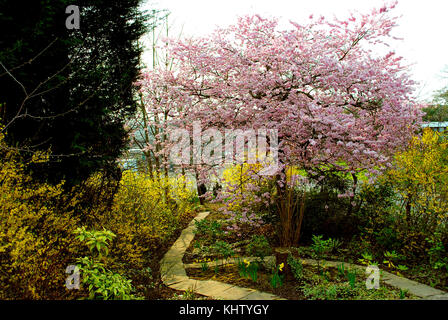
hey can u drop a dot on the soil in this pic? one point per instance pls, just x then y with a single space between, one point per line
230 274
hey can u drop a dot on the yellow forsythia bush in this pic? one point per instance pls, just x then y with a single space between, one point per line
38 220
145 214
36 236
420 176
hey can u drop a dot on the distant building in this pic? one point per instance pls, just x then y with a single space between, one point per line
134 156
131 159
436 126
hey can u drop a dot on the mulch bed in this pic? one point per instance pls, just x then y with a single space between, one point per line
230 274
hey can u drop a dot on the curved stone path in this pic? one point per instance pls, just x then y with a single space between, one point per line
172 271
173 275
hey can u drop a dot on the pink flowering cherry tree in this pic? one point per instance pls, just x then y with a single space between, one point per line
335 103
319 84
164 111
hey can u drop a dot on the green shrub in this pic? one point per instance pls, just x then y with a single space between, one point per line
296 266
259 247
387 238
352 289
212 230
438 255
95 240
223 249
321 247
100 282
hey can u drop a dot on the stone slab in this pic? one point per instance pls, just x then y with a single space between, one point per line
177 270
234 293
438 297
261 296
175 252
173 279
187 284
213 288
416 288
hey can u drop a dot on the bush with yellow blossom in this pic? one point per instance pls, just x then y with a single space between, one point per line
38 220
36 232
145 214
420 176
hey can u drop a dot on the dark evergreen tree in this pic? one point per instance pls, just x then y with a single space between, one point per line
69 90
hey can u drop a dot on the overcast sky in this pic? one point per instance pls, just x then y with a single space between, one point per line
423 26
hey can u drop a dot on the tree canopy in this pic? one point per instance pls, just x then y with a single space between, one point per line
334 103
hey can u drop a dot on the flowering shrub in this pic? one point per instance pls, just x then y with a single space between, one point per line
406 206
246 195
145 214
420 177
276 278
241 184
36 238
38 220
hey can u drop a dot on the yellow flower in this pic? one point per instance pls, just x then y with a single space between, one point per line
280 266
246 262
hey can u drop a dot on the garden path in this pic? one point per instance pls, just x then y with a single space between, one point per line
173 273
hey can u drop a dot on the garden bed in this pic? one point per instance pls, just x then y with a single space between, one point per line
214 246
314 284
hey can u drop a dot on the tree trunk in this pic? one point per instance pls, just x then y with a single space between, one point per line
281 256
201 189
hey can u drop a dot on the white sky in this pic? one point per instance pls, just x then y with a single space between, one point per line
423 26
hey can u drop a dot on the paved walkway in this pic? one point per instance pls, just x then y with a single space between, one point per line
173 275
